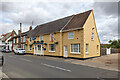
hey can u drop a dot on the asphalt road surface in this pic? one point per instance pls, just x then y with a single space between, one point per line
22 66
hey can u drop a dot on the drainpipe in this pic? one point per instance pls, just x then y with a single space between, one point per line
61 44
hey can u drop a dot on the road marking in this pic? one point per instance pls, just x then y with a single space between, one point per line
56 67
12 56
25 59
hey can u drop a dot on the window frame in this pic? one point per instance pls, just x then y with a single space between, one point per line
41 37
17 40
52 36
50 48
86 47
97 49
23 38
29 48
70 35
73 48
30 39
14 40
92 36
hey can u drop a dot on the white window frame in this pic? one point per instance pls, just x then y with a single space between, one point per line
17 40
23 38
70 35
50 48
92 36
23 46
14 40
78 48
29 48
97 49
30 39
52 36
86 48
41 37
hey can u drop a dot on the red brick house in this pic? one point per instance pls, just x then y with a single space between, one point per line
20 40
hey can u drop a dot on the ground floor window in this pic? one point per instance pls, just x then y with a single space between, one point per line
52 47
75 48
97 48
30 47
23 46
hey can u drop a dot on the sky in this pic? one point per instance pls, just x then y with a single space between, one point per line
13 12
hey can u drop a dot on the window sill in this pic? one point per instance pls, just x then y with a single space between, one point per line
74 53
70 38
29 50
51 51
86 53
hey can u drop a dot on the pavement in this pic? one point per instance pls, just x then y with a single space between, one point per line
30 66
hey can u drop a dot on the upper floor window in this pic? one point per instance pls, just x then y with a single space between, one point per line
92 35
71 35
86 49
52 37
14 40
41 38
29 39
23 38
17 40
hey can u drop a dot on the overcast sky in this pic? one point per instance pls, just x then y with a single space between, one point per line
12 13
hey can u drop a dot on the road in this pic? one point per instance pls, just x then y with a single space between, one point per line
22 66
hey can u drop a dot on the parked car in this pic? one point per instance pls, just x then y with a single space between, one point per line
1 59
3 50
19 51
7 50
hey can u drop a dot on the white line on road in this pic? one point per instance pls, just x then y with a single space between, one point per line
56 67
25 59
12 56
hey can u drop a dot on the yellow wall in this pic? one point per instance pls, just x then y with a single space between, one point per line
78 38
92 44
46 39
81 36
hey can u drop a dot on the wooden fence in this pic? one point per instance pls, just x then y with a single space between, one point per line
105 51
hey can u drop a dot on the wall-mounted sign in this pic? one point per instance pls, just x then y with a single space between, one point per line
44 49
33 38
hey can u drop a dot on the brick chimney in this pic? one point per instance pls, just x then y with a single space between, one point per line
19 31
30 28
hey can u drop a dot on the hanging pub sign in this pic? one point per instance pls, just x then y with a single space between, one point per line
44 49
33 38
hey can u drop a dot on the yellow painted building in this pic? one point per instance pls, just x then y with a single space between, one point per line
72 36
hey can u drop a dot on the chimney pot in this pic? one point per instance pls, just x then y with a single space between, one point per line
30 28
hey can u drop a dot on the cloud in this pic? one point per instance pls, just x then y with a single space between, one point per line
106 15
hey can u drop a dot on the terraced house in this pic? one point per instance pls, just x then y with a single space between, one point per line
72 36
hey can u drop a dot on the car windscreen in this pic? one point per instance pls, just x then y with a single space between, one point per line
21 49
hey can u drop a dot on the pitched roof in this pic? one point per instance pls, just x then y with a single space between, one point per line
77 21
22 34
6 36
70 22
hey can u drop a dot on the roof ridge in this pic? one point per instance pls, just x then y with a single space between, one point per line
67 23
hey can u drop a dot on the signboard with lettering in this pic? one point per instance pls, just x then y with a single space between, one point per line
33 38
